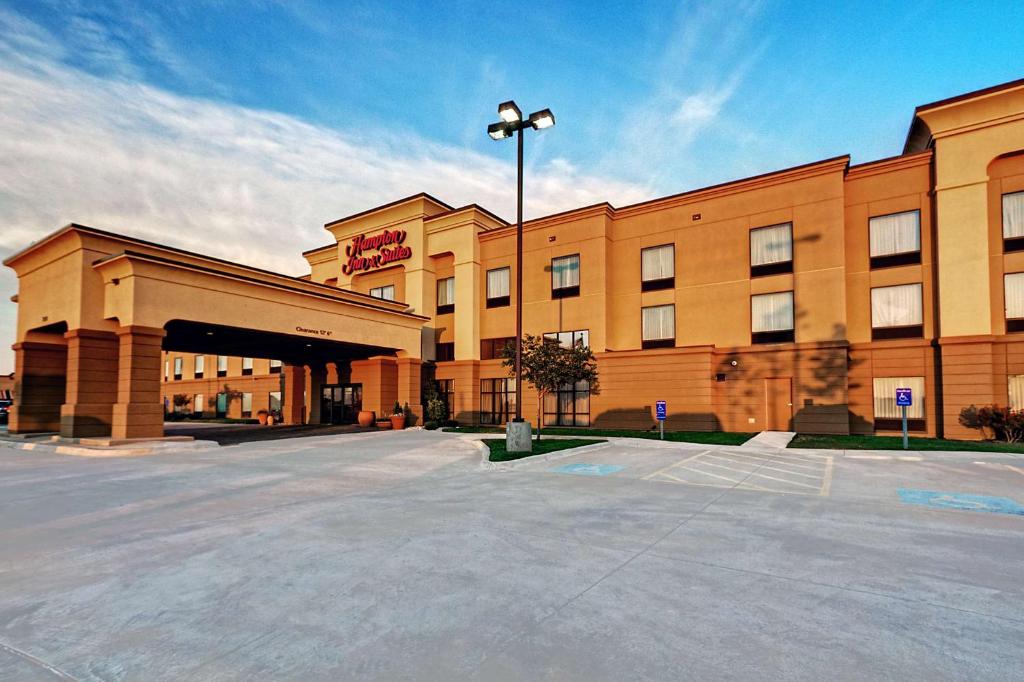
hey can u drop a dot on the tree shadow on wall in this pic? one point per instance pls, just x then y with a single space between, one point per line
642 419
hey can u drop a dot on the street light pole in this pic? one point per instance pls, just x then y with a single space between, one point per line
512 123
519 278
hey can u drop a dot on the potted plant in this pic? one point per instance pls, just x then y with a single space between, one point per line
366 418
397 417
383 423
262 416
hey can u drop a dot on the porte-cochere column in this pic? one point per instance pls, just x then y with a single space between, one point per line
138 412
39 389
92 362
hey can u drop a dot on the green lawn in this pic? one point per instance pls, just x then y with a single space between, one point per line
498 453
896 443
707 437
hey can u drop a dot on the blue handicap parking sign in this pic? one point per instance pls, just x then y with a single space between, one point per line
960 501
661 410
904 397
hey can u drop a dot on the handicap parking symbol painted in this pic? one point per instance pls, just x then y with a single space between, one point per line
961 501
583 469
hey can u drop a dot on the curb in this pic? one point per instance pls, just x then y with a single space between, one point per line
487 465
80 451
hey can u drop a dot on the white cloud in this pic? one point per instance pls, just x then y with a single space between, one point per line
248 185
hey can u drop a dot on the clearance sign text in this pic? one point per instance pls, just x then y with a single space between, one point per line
387 244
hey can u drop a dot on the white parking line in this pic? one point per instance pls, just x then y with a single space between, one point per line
718 469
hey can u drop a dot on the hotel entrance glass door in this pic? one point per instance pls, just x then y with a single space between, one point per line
340 403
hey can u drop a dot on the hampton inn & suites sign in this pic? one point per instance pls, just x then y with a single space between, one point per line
388 246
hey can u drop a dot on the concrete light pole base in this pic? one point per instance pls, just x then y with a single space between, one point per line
518 437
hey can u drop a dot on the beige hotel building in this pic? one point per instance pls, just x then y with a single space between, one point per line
794 300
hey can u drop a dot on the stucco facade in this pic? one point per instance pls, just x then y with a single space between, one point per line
892 271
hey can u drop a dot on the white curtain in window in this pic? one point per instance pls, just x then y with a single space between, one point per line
1013 215
386 292
275 363
497 283
246 363
659 322
200 364
446 291
896 233
898 306
565 272
197 403
274 400
167 369
1013 286
658 262
177 366
247 402
771 312
222 363
771 244
885 397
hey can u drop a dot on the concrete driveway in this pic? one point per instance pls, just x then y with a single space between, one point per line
394 556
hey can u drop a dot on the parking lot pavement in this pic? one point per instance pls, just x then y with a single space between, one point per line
395 556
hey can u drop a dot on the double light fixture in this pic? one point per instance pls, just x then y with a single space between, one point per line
512 120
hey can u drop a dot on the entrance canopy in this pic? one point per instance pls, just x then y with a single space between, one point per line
96 308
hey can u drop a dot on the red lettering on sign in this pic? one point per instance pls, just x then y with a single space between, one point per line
388 245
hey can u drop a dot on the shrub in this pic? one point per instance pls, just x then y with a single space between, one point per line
999 423
430 425
449 422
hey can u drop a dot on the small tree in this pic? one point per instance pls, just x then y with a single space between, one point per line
436 407
549 366
181 401
1002 423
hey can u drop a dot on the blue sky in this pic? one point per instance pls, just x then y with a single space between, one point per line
240 128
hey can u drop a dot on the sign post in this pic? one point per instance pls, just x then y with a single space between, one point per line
660 412
904 399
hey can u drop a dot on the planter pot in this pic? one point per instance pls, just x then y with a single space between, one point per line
383 423
262 416
366 418
398 421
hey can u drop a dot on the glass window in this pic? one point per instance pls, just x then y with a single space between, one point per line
658 324
1013 215
446 391
274 401
658 266
445 295
565 276
491 349
177 368
498 287
569 406
885 398
445 352
197 404
579 337
246 367
771 247
246 404
898 306
275 366
200 366
497 400
167 370
1013 285
895 234
386 292
222 365
771 312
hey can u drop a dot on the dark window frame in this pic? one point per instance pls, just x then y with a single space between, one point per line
498 301
1014 325
446 391
892 260
910 331
646 344
558 414
657 343
769 269
490 349
1010 244
178 368
662 282
447 308
775 335
502 395
445 352
275 369
570 291
889 424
